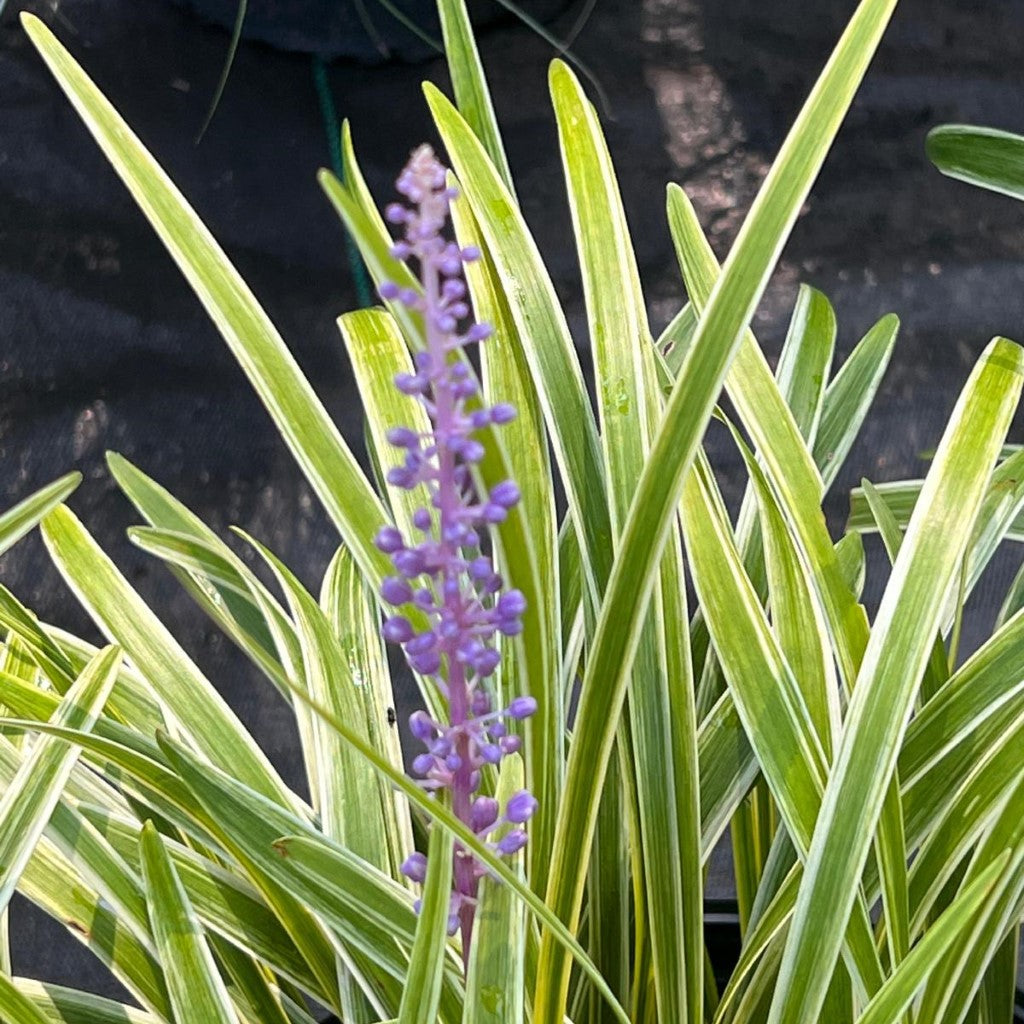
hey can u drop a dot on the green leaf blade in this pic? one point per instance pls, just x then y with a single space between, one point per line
197 991
174 677
985 157
895 658
728 313
33 793
422 994
20 519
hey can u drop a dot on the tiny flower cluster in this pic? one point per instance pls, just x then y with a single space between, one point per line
442 574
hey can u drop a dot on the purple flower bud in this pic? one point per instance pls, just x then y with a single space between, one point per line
453 923
454 533
388 290
421 643
506 493
521 806
410 383
388 540
469 449
484 813
395 590
480 568
417 907
490 753
442 746
503 412
397 629
509 627
470 649
403 437
453 289
494 513
423 598
522 707
402 477
400 251
481 703
470 254
510 744
497 729
409 297
422 763
511 603
425 664
513 842
414 867
422 519
396 213
454 762
408 561
479 332
486 662
422 726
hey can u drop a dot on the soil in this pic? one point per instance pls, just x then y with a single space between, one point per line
102 345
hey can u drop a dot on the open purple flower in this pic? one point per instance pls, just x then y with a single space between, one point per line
442 572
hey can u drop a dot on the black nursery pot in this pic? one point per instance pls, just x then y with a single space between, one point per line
722 938
336 28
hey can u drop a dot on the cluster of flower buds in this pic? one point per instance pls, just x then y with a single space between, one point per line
442 573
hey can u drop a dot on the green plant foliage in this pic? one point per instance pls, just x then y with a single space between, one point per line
981 156
137 810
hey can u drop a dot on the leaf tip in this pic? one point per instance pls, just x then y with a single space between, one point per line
56 517
558 69
31 24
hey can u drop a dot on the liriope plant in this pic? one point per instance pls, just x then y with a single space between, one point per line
589 734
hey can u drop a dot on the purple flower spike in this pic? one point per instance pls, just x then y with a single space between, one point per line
444 575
